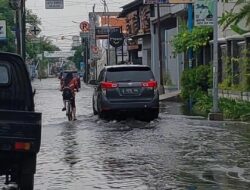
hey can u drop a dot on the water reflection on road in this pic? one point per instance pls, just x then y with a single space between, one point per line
172 152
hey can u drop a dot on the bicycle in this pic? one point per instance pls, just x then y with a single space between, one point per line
69 110
67 97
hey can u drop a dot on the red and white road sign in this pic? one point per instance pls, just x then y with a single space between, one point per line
84 26
95 49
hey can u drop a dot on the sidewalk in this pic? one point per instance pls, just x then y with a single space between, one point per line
168 95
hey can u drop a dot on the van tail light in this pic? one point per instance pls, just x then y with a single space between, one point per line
23 146
107 85
149 84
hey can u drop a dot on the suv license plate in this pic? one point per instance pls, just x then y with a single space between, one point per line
130 91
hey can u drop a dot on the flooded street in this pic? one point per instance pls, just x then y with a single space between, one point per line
172 152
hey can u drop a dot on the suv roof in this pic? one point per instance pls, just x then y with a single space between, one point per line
128 66
70 71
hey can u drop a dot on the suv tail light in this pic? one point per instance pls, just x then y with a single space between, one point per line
107 85
149 84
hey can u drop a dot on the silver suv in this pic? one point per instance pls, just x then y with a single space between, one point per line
126 89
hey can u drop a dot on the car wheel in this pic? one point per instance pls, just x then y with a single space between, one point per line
151 115
101 113
154 114
93 106
26 182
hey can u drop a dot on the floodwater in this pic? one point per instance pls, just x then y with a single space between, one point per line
172 152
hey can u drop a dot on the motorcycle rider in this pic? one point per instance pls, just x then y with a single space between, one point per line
70 82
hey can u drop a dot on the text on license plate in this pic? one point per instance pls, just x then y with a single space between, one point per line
130 91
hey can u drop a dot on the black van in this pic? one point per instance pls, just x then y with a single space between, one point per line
20 125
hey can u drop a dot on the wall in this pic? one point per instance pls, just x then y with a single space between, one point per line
146 50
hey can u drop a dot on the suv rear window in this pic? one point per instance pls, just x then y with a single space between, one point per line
137 74
4 75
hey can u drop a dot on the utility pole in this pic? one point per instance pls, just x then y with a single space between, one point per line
215 114
106 11
190 51
21 28
162 91
215 59
190 28
94 59
23 33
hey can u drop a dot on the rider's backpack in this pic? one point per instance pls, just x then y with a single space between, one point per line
67 93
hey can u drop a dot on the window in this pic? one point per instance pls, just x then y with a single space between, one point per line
130 74
100 78
4 75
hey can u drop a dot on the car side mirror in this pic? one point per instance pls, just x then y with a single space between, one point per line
93 82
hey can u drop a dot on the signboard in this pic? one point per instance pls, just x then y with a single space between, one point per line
116 39
180 1
167 1
155 1
102 32
34 30
84 34
2 30
203 12
54 4
132 45
84 26
59 54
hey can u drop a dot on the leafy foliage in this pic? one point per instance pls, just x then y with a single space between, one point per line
231 109
44 44
77 58
195 39
6 13
196 82
232 18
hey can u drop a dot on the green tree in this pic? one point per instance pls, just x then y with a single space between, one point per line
77 58
195 39
232 18
6 13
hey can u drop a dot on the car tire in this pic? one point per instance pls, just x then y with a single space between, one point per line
154 114
151 115
26 182
93 106
101 114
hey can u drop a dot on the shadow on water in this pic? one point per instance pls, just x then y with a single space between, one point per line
126 124
70 144
177 108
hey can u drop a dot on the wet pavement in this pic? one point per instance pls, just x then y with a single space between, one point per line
172 152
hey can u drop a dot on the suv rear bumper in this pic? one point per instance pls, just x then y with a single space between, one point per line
106 105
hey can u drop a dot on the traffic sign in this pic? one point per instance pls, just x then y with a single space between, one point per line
95 49
116 39
84 26
34 30
54 4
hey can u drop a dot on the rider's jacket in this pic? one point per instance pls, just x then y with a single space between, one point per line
72 85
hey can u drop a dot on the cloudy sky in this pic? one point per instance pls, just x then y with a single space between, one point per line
58 23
